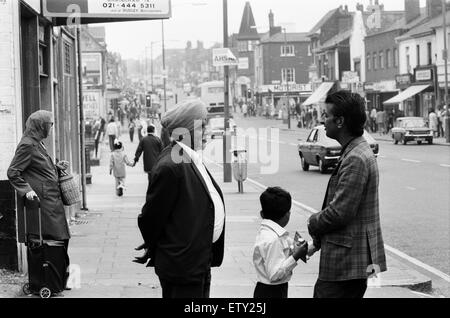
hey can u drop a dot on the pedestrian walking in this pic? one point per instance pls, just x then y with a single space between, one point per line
245 109
373 119
273 257
183 220
112 132
348 229
440 117
139 129
117 167
97 136
433 122
131 128
380 122
151 146
34 176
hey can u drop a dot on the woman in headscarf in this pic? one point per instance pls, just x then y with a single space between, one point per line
35 177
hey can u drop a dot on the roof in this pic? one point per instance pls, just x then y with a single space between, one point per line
425 27
290 37
248 29
401 24
337 39
322 21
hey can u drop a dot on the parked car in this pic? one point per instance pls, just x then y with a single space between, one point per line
407 129
216 127
321 151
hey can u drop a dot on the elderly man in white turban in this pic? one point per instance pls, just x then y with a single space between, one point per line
183 220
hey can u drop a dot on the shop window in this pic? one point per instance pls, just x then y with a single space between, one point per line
67 58
287 50
288 75
381 61
388 59
395 57
43 53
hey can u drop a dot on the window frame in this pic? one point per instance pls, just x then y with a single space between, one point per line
291 50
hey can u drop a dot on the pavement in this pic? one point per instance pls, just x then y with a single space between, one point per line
104 238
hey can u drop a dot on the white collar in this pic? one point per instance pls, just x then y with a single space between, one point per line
194 155
274 227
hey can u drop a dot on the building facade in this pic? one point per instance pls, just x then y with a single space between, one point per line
38 72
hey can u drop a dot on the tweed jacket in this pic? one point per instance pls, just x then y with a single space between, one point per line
348 227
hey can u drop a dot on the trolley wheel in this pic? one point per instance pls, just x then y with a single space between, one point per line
45 293
27 289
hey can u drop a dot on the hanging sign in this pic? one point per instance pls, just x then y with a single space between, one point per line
109 9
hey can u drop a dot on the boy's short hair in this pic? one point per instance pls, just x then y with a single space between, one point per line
151 129
275 203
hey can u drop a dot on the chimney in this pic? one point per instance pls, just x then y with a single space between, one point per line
412 10
271 19
434 8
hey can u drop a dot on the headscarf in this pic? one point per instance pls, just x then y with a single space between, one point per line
185 116
38 125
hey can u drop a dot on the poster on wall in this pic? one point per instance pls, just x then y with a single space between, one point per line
92 68
92 104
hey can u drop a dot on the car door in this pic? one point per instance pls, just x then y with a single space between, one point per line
316 148
308 153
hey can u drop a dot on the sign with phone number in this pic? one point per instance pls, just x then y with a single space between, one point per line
108 8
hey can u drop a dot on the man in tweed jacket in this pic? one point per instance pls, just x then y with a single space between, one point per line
347 230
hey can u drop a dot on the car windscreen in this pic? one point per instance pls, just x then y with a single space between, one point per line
414 124
217 122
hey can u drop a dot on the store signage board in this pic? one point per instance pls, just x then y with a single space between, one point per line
108 9
224 57
424 75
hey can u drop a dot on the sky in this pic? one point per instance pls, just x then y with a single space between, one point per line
202 20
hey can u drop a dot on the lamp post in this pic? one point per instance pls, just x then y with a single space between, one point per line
165 74
445 56
287 83
227 173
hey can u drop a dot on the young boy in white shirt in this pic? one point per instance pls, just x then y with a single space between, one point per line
275 254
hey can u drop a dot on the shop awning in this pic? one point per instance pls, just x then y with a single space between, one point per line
319 94
407 93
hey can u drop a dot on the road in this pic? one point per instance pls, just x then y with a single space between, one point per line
414 189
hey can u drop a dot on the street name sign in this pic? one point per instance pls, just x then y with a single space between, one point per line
224 57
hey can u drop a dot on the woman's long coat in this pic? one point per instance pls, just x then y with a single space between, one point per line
32 169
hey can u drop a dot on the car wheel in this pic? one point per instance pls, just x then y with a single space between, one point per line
404 141
322 168
395 140
213 137
430 142
305 166
419 142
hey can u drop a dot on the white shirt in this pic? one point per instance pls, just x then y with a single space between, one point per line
219 208
112 129
272 255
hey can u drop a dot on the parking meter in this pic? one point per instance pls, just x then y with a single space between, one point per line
240 167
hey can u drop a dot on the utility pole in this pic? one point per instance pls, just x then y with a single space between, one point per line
82 128
151 65
227 173
287 83
164 67
445 56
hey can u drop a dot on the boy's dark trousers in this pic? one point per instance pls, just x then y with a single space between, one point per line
263 291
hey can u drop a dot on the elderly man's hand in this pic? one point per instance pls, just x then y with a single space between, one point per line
63 165
32 196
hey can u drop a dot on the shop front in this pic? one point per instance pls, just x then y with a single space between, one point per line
279 95
379 92
420 96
